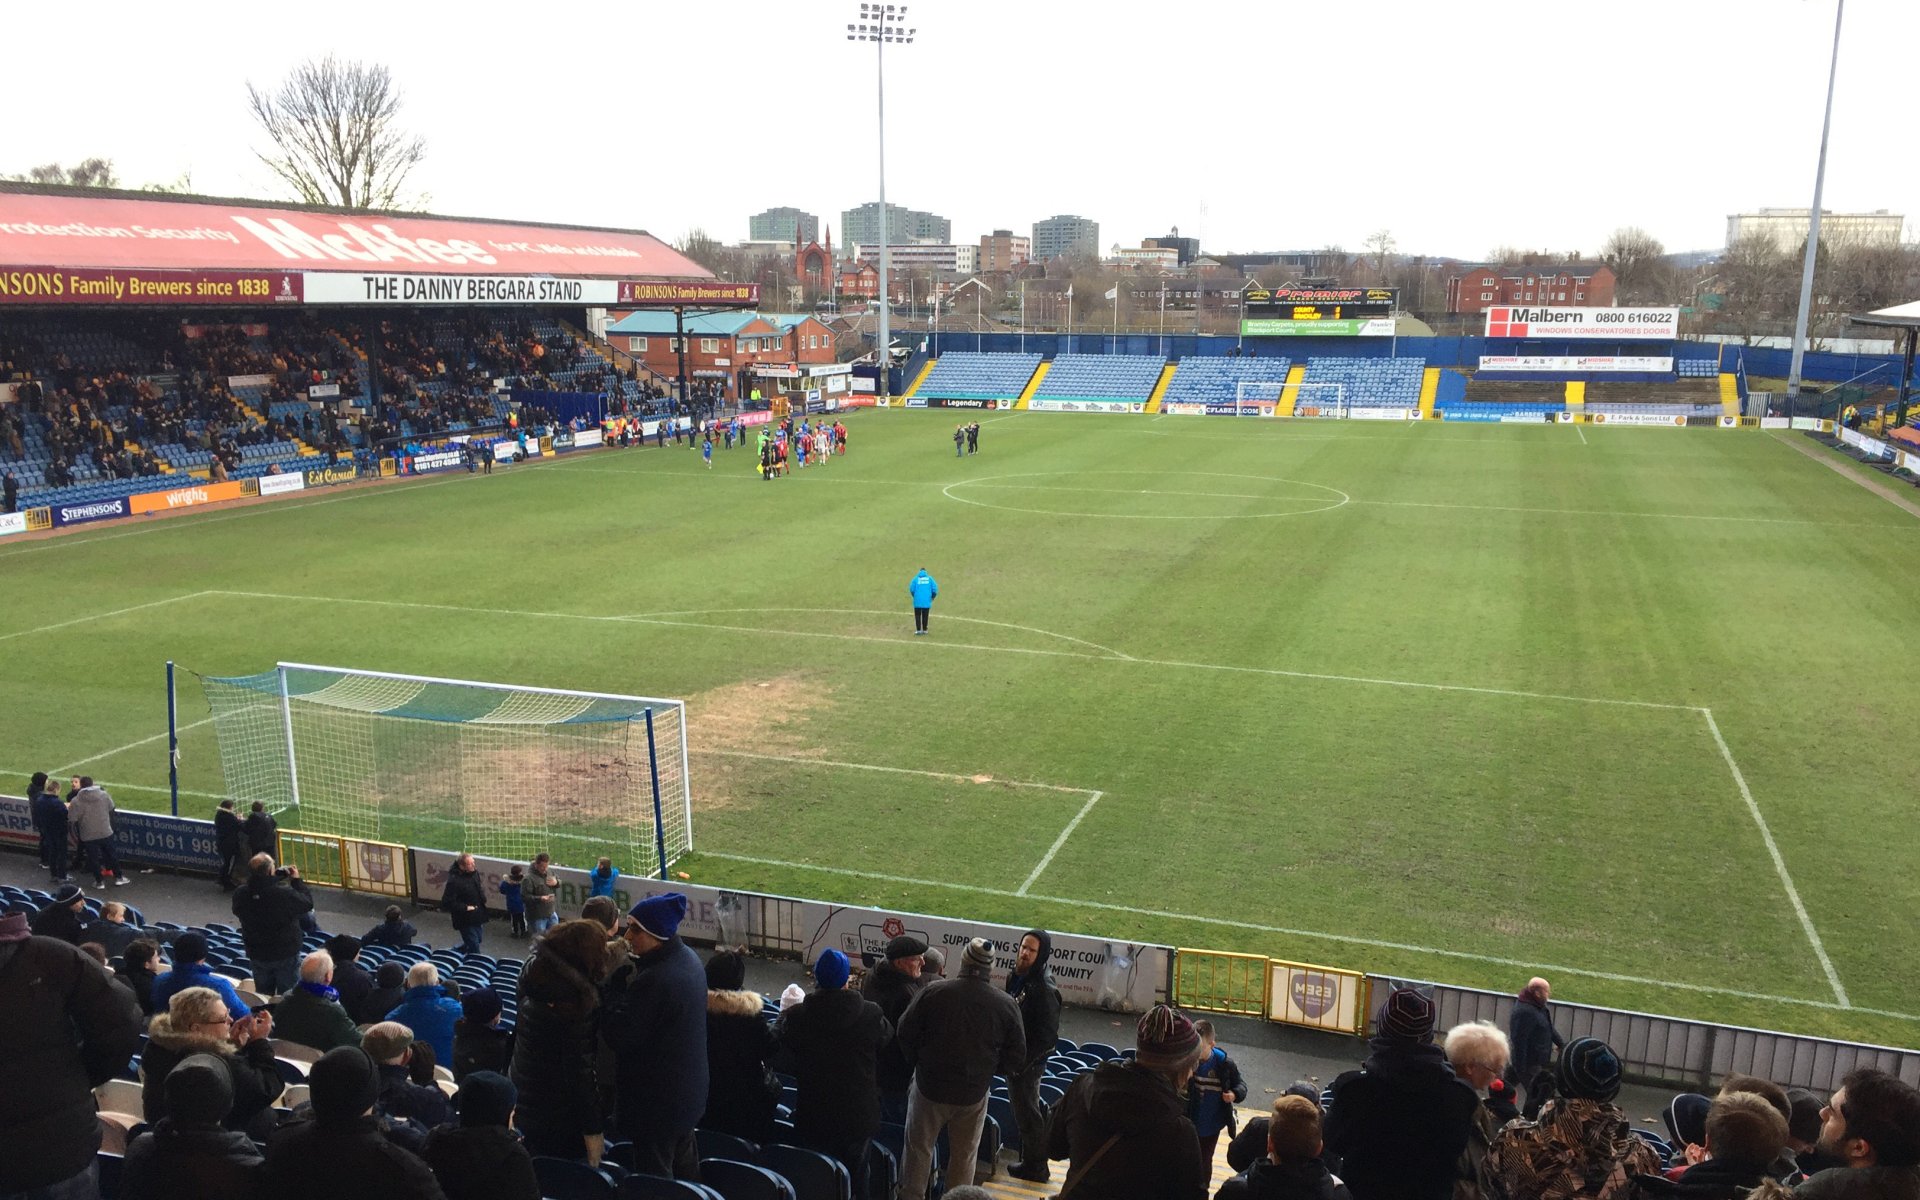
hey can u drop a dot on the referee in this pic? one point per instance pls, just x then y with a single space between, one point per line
923 589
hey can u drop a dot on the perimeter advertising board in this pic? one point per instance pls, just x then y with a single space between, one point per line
1612 324
1317 327
338 287
1095 406
98 510
1617 418
279 485
55 285
14 522
1595 363
191 496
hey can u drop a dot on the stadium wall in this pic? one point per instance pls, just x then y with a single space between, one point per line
1092 972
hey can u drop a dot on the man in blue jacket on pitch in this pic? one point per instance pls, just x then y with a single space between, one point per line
923 589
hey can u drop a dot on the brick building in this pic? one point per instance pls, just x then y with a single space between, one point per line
1004 250
721 346
1585 285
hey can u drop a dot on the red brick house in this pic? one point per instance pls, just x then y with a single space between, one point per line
720 346
1570 285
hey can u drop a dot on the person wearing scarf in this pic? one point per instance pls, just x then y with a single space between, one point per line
311 1014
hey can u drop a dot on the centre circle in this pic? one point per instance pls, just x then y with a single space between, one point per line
1326 498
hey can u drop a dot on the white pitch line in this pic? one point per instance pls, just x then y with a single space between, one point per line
1779 863
854 766
160 791
1060 841
1345 939
1603 512
1581 432
62 770
876 612
118 612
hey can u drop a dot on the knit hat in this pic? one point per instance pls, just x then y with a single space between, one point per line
791 995
831 969
389 974
343 1085
905 946
344 948
726 972
13 928
1407 1017
199 1090
480 1006
66 895
486 1098
1686 1118
190 948
661 915
1804 1124
1165 1039
1590 1070
977 958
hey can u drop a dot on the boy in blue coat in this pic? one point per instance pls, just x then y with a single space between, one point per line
923 589
1215 1088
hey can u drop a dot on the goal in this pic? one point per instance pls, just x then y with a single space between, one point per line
1320 400
492 769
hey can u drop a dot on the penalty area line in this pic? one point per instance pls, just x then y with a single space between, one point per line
1060 841
854 766
106 754
1346 939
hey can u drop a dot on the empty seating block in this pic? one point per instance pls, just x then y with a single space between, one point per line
1213 380
1114 377
967 376
1697 368
1368 382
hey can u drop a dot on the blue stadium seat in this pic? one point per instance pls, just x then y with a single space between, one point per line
564 1179
813 1176
743 1180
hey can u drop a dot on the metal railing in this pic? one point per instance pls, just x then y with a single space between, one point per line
1218 981
351 864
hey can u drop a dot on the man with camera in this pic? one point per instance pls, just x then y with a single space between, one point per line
269 906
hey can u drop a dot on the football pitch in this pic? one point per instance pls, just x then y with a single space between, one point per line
1440 701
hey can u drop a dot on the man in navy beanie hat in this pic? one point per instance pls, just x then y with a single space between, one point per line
1400 1122
833 1038
654 1016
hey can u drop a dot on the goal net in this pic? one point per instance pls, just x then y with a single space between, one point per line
1320 400
488 768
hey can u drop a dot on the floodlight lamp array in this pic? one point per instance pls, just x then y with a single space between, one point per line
885 23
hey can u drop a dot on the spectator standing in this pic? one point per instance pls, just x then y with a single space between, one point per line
655 1019
479 1158
350 979
603 877
1872 1124
537 891
833 1039
1292 1169
1581 1145
427 1010
137 971
311 1014
340 1150
1031 985
1123 1127
389 988
1532 1036
54 824
1400 1122
395 932
957 1035
60 917
110 929
196 1022
269 906
1215 1088
189 1152
479 1044
229 842
1477 1052
190 970
515 902
892 984
391 1046
465 900
741 1095
262 832
553 1042
91 810
68 1030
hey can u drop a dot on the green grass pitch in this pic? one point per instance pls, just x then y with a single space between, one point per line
1440 701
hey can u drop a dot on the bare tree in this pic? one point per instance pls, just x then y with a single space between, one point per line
336 134
702 247
1380 245
88 173
1641 271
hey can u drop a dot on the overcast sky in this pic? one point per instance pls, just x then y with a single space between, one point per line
1458 126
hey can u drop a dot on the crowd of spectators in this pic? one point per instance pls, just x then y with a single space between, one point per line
623 1037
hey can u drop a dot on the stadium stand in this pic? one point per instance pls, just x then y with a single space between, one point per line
967 376
1383 382
1122 377
1217 380
1696 368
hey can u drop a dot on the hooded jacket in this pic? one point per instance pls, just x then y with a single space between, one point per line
227 831
58 921
554 1049
1156 1155
739 1042
430 1013
1300 1179
256 1080
834 1038
481 1162
1400 1122
206 1162
958 1034
269 910
68 1029
92 814
1039 1002
262 833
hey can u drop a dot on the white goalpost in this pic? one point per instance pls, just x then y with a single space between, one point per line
1262 397
453 764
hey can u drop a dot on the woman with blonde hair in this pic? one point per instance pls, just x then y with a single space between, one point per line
196 1022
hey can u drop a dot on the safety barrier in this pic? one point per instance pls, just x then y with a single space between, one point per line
1222 982
1318 997
353 864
